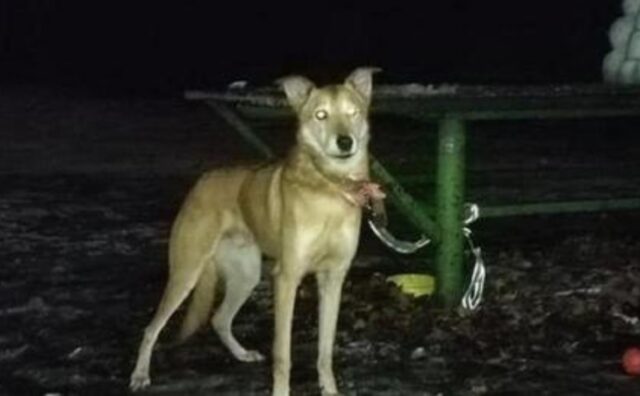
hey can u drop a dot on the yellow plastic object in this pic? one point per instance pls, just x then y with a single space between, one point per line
416 285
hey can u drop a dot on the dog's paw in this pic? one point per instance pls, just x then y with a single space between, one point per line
250 357
324 393
139 382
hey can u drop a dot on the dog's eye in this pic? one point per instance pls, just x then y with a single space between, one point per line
353 113
322 114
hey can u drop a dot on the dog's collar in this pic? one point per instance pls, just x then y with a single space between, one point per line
362 193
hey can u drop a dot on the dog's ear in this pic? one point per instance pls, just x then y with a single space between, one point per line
297 89
361 81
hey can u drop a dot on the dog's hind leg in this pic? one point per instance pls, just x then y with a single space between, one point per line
238 259
189 253
175 293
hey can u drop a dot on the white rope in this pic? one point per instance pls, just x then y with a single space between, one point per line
473 296
399 246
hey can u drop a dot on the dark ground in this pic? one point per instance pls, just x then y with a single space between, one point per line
89 188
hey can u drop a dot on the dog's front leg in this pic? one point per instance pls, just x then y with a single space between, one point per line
285 286
329 289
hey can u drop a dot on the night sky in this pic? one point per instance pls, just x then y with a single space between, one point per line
169 46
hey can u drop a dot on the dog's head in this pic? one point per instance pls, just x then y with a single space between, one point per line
333 120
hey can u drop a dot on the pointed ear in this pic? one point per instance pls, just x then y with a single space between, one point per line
361 81
297 89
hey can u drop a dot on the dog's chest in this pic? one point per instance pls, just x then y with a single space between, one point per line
329 233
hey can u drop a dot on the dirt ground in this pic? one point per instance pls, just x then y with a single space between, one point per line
89 187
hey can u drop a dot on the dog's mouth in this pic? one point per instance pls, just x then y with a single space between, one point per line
342 156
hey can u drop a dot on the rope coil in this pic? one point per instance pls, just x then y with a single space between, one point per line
473 296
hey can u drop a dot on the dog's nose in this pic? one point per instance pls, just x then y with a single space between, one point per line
345 142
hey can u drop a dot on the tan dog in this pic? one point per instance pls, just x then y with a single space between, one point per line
304 211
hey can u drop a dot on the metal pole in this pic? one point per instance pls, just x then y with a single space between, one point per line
449 207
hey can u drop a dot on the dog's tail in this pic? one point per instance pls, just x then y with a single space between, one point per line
201 304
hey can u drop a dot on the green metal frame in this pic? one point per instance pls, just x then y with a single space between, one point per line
453 111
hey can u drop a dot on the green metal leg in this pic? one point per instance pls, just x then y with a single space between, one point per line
449 205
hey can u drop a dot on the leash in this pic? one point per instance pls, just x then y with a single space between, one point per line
472 298
378 223
403 247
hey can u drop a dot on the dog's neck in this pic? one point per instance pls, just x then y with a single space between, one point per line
305 168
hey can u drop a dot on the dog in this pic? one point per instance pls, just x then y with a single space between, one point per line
304 212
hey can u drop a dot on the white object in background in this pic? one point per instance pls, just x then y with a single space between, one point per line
622 64
611 65
633 49
238 85
620 31
628 72
631 6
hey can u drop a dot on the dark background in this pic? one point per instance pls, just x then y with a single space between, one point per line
163 47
